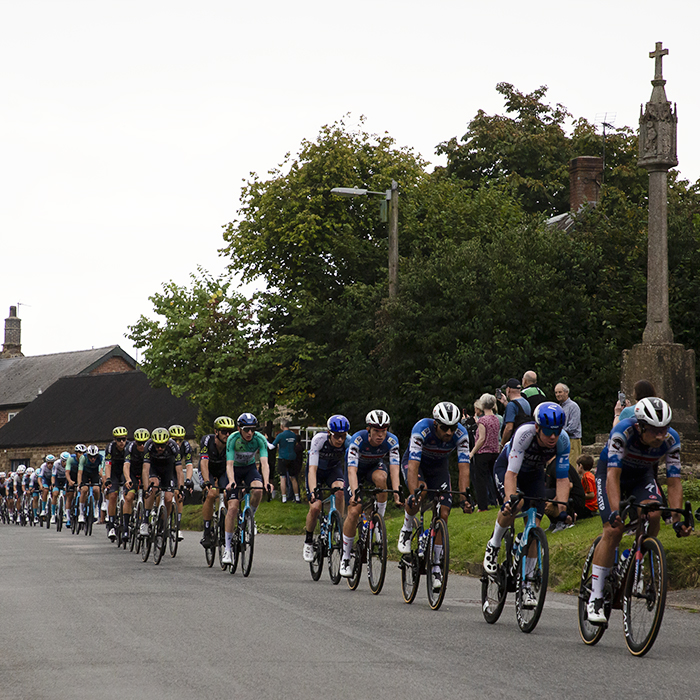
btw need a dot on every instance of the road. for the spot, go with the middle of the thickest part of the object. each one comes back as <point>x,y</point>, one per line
<point>83,620</point>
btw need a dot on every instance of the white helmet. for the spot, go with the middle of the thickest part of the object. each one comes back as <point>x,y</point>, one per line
<point>21,469</point>
<point>80,447</point>
<point>92,450</point>
<point>377,419</point>
<point>30,471</point>
<point>446,413</point>
<point>2,475</point>
<point>653,411</point>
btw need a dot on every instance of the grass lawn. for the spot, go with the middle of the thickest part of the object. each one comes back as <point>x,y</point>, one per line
<point>469,534</point>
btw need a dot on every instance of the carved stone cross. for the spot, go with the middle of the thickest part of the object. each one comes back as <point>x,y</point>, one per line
<point>658,54</point>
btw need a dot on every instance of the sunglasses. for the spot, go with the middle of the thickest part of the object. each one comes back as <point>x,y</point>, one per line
<point>122,439</point>
<point>550,431</point>
<point>247,430</point>
<point>447,428</point>
<point>225,432</point>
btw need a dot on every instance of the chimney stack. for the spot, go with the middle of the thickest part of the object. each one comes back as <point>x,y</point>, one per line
<point>585,178</point>
<point>13,331</point>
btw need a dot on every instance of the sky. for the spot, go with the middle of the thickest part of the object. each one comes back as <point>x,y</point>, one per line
<point>127,128</point>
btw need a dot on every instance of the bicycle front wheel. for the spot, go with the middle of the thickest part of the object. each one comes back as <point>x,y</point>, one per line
<point>247,541</point>
<point>410,568</point>
<point>335,551</point>
<point>645,596</point>
<point>376,553</point>
<point>494,587</point>
<point>160,536</point>
<point>356,562</point>
<point>437,565</point>
<point>146,540</point>
<point>221,537</point>
<point>533,576</point>
<point>316,564</point>
<point>59,514</point>
<point>173,530</point>
<point>138,521</point>
<point>590,634</point>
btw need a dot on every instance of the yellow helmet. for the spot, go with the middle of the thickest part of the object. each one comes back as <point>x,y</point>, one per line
<point>160,436</point>
<point>120,431</point>
<point>141,435</point>
<point>223,422</point>
<point>177,431</point>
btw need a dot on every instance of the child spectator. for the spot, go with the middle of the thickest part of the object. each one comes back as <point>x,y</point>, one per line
<point>584,465</point>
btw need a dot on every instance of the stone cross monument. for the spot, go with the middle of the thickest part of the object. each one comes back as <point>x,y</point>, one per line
<point>668,365</point>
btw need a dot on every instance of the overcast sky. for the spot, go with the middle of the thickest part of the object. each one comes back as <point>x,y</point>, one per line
<point>127,127</point>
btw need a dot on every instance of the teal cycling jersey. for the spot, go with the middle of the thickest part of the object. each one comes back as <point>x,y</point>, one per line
<point>242,452</point>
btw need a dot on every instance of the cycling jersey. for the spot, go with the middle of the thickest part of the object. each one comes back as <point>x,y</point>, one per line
<point>364,456</point>
<point>91,468</point>
<point>186,452</point>
<point>527,455</point>
<point>72,466</point>
<point>327,458</point>
<point>169,457</point>
<point>427,448</point>
<point>59,469</point>
<point>242,452</point>
<point>116,458</point>
<point>209,450</point>
<point>44,473</point>
<point>134,457</point>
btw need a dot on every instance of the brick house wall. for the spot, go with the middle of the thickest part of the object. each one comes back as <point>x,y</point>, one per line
<point>114,364</point>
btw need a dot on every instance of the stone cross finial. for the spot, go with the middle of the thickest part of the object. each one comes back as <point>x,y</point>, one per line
<point>658,54</point>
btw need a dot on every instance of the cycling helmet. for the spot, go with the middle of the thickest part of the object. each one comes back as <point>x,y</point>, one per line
<point>50,458</point>
<point>21,469</point>
<point>160,436</point>
<point>338,424</point>
<point>141,435</point>
<point>653,411</point>
<point>446,413</point>
<point>30,471</point>
<point>550,415</point>
<point>377,419</point>
<point>80,447</point>
<point>65,456</point>
<point>224,423</point>
<point>93,450</point>
<point>120,431</point>
<point>2,475</point>
<point>247,420</point>
<point>176,431</point>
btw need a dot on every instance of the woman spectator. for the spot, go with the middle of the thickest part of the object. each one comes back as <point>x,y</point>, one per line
<point>485,450</point>
<point>643,389</point>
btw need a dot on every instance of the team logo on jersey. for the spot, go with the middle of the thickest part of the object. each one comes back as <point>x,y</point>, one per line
<point>425,432</point>
<point>618,443</point>
<point>392,441</point>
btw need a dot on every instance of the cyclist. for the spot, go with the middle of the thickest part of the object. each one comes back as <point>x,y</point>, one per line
<point>177,433</point>
<point>19,489</point>
<point>31,485</point>
<point>161,459</point>
<point>44,476</point>
<point>366,461</point>
<point>89,475</point>
<point>212,464</point>
<point>242,472</point>
<point>72,478</point>
<point>115,456</point>
<point>426,462</point>
<point>521,467</point>
<point>326,466</point>
<point>626,468</point>
<point>58,481</point>
<point>10,495</point>
<point>133,471</point>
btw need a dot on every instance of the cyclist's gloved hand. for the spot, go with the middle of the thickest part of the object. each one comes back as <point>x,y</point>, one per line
<point>206,484</point>
<point>613,518</point>
<point>189,485</point>
<point>681,529</point>
<point>411,501</point>
<point>108,483</point>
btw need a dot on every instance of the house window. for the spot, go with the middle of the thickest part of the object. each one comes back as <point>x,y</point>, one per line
<point>10,416</point>
<point>14,463</point>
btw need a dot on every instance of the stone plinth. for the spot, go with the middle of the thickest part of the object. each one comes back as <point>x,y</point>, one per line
<point>671,369</point>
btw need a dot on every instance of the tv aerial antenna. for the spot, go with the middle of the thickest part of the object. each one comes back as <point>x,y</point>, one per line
<point>607,121</point>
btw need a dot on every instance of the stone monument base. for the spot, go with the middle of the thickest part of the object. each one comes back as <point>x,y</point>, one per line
<point>671,369</point>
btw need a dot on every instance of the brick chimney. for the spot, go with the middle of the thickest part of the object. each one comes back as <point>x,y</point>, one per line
<point>13,331</point>
<point>585,177</point>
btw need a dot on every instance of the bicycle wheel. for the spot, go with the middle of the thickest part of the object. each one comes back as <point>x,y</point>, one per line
<point>146,540</point>
<point>59,514</point>
<point>316,564</point>
<point>376,553</point>
<point>356,563</point>
<point>437,579</point>
<point>173,529</point>
<point>235,549</point>
<point>140,520</point>
<point>133,531</point>
<point>335,543</point>
<point>161,534</point>
<point>531,588</point>
<point>645,597</point>
<point>590,634</point>
<point>247,541</point>
<point>74,517</point>
<point>220,538</point>
<point>494,587</point>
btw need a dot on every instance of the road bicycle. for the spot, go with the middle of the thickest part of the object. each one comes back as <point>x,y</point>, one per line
<point>243,544</point>
<point>515,575</point>
<point>174,525</point>
<point>138,517</point>
<point>422,558</point>
<point>329,541</point>
<point>637,582</point>
<point>370,545</point>
<point>90,515</point>
<point>119,519</point>
<point>158,525</point>
<point>60,509</point>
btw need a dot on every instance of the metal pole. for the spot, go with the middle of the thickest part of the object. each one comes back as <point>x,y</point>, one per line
<point>393,239</point>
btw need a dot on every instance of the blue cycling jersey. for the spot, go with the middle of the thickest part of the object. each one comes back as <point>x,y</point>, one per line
<point>426,447</point>
<point>323,454</point>
<point>361,454</point>
<point>626,451</point>
<point>526,455</point>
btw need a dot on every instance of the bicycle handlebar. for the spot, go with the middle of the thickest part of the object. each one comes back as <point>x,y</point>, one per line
<point>630,503</point>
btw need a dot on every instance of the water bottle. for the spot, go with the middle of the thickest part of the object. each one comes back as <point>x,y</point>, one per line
<point>365,526</point>
<point>422,542</point>
<point>623,558</point>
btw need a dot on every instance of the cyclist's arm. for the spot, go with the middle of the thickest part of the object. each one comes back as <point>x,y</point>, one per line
<point>204,467</point>
<point>464,481</point>
<point>127,471</point>
<point>675,495</point>
<point>229,472</point>
<point>352,479</point>
<point>108,469</point>
<point>265,467</point>
<point>510,484</point>
<point>81,464</point>
<point>412,475</point>
<point>612,487</point>
<point>145,473</point>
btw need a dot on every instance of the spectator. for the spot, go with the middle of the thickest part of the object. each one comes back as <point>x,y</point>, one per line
<point>531,391</point>
<point>584,466</point>
<point>643,389</point>
<point>484,453</point>
<point>577,500</point>
<point>286,462</point>
<point>517,409</point>
<point>573,420</point>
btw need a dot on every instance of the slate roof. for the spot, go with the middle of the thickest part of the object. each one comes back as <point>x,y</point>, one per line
<point>85,408</point>
<point>21,378</point>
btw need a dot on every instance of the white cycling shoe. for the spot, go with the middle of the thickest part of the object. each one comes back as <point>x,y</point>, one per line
<point>226,557</point>
<point>308,552</point>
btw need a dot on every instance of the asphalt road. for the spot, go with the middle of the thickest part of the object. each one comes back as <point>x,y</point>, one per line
<point>83,620</point>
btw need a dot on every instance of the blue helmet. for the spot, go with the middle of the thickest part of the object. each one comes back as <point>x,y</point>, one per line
<point>550,415</point>
<point>338,424</point>
<point>247,420</point>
